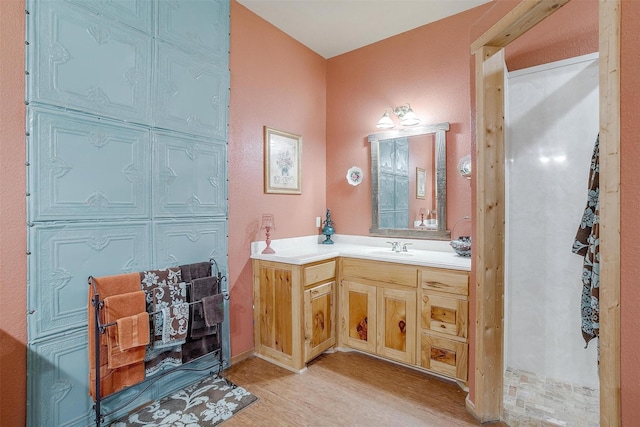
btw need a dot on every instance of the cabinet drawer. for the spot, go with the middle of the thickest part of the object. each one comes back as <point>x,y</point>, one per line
<point>453,282</point>
<point>444,314</point>
<point>445,356</point>
<point>385,272</point>
<point>319,272</point>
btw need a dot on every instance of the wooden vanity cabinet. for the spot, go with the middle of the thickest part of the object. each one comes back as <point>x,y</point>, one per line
<point>410,314</point>
<point>444,312</point>
<point>294,311</point>
<point>378,312</point>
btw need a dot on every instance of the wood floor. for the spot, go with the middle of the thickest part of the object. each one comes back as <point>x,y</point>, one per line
<point>347,389</point>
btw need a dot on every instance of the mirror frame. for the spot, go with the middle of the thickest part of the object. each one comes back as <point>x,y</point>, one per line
<point>441,233</point>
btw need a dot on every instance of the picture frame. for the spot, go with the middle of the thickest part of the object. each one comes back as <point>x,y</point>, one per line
<point>282,162</point>
<point>421,179</point>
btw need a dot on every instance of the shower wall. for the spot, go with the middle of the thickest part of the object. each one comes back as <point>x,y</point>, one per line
<point>552,124</point>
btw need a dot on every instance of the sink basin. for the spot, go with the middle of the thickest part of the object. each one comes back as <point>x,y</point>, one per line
<point>390,253</point>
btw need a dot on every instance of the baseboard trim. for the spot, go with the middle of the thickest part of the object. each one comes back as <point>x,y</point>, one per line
<point>242,356</point>
<point>282,365</point>
<point>471,407</point>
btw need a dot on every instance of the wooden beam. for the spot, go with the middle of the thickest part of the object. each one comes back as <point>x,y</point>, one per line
<point>489,246</point>
<point>517,22</point>
<point>609,39</point>
<point>488,265</point>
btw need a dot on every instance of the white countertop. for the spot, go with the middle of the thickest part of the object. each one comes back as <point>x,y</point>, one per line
<point>303,250</point>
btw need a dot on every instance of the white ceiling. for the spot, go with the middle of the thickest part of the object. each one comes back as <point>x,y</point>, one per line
<point>334,27</point>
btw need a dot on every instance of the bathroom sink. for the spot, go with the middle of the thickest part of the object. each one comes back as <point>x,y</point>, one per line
<point>390,253</point>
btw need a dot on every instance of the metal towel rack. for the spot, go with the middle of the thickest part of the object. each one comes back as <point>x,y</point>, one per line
<point>100,329</point>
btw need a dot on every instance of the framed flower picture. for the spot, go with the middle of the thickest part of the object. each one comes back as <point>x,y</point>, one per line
<point>421,178</point>
<point>282,162</point>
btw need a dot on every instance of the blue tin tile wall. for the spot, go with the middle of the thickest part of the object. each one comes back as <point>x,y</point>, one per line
<point>183,162</point>
<point>188,92</point>
<point>83,61</point>
<point>87,167</point>
<point>126,168</point>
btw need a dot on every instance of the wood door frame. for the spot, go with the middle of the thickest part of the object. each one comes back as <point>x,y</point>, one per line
<point>489,174</point>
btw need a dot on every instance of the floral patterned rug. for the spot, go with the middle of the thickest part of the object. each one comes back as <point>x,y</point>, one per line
<point>206,403</point>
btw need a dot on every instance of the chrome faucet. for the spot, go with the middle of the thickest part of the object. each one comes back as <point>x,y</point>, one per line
<point>404,247</point>
<point>395,246</point>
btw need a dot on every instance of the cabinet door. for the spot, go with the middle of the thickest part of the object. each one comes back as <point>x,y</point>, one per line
<point>396,310</point>
<point>319,331</point>
<point>273,311</point>
<point>445,315</point>
<point>359,316</point>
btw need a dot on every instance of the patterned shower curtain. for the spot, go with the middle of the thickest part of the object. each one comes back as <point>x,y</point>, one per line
<point>587,244</point>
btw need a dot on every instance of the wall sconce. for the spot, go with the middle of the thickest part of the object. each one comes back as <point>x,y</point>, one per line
<point>404,113</point>
<point>268,224</point>
<point>464,166</point>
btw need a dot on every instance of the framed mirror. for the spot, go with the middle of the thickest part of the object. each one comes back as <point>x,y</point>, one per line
<point>409,183</point>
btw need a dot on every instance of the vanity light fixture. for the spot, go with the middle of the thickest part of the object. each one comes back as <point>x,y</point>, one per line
<point>404,113</point>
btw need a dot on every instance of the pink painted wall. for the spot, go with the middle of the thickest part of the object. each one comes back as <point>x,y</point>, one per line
<point>629,218</point>
<point>421,155</point>
<point>570,31</point>
<point>277,82</point>
<point>13,232</point>
<point>428,68</point>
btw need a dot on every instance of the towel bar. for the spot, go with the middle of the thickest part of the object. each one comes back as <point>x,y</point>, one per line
<point>100,328</point>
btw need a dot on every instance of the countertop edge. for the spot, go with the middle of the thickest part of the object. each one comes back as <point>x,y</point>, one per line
<point>354,251</point>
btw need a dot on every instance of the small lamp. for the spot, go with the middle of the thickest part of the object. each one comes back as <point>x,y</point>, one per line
<point>268,224</point>
<point>423,212</point>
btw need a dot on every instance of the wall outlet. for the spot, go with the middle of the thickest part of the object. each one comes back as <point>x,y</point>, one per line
<point>318,221</point>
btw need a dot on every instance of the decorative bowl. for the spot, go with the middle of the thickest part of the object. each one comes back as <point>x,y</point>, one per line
<point>462,245</point>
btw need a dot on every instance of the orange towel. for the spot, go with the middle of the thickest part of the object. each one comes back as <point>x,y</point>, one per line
<point>133,331</point>
<point>118,307</point>
<point>111,381</point>
<point>107,286</point>
<point>119,284</point>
